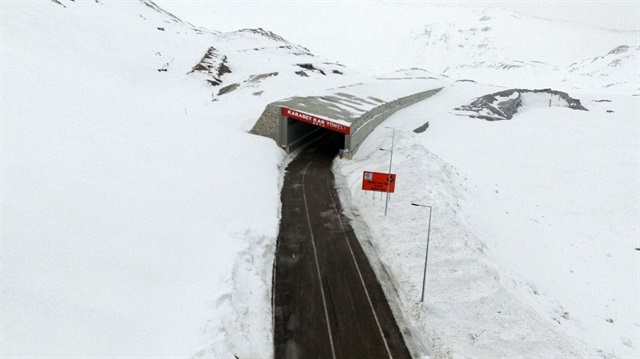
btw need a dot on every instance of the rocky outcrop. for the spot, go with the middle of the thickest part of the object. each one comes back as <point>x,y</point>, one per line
<point>504,105</point>
<point>214,65</point>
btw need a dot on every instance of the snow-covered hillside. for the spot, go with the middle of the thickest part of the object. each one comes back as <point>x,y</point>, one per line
<point>533,231</point>
<point>463,42</point>
<point>139,217</point>
<point>133,197</point>
<point>504,48</point>
<point>487,35</point>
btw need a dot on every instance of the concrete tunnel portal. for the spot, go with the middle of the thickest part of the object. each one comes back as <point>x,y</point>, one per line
<point>342,119</point>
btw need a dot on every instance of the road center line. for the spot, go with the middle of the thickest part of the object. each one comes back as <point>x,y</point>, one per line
<point>375,316</point>
<point>315,254</point>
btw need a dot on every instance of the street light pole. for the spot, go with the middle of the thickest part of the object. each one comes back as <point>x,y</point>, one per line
<point>426,256</point>
<point>389,176</point>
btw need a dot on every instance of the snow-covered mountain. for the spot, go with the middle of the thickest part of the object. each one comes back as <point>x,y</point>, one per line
<point>616,70</point>
<point>501,47</point>
<point>139,217</point>
<point>473,35</point>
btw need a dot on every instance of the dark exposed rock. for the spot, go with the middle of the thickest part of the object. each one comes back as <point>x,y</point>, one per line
<point>228,89</point>
<point>213,64</point>
<point>504,105</point>
<point>422,128</point>
<point>259,78</point>
<point>251,81</point>
<point>619,50</point>
<point>310,67</point>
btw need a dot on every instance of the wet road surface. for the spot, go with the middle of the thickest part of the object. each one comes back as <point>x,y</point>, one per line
<point>327,301</point>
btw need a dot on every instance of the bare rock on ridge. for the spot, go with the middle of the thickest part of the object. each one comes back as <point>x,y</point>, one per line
<point>504,105</point>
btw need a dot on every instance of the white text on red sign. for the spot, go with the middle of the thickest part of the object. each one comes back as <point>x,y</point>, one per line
<point>301,116</point>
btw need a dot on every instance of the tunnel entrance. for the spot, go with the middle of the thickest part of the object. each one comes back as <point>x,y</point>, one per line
<point>301,128</point>
<point>350,113</point>
<point>301,133</point>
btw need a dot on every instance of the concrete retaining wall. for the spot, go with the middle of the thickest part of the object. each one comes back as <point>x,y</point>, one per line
<point>370,120</point>
<point>268,124</point>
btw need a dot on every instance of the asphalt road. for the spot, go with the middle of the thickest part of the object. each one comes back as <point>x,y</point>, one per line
<point>327,301</point>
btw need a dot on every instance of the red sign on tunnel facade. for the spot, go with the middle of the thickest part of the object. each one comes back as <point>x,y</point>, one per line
<point>317,121</point>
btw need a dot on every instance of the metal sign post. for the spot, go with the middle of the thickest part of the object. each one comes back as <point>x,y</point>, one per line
<point>393,135</point>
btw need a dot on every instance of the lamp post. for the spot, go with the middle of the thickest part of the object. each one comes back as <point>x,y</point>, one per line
<point>426,256</point>
<point>393,135</point>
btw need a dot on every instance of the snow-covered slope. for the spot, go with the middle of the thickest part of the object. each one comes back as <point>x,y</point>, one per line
<point>505,48</point>
<point>132,202</point>
<point>534,228</point>
<point>139,217</point>
<point>617,71</point>
<point>491,35</point>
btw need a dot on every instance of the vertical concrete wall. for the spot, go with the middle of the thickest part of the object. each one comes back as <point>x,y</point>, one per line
<point>268,124</point>
<point>370,120</point>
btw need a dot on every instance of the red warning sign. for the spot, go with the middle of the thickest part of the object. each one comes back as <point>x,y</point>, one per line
<point>320,122</point>
<point>377,181</point>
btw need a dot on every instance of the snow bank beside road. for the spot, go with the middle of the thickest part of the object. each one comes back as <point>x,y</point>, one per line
<point>123,210</point>
<point>534,226</point>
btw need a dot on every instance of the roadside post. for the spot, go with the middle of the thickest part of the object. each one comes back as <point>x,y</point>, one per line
<point>393,135</point>
<point>426,256</point>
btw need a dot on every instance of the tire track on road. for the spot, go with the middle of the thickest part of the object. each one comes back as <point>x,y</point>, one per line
<point>327,302</point>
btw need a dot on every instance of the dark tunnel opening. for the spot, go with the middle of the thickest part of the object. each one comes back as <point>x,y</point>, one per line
<point>301,134</point>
